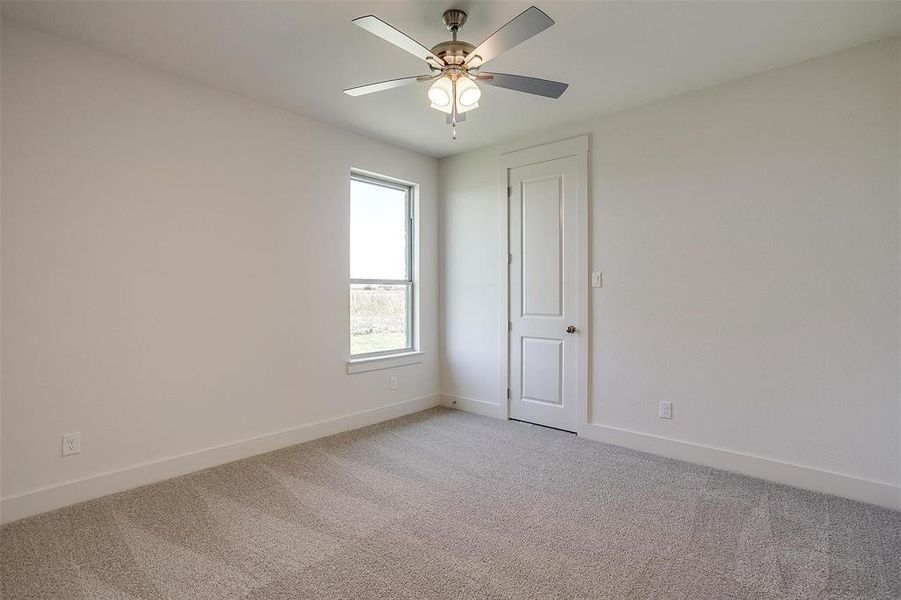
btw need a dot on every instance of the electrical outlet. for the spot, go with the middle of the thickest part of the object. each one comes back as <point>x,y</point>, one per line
<point>392,383</point>
<point>666,410</point>
<point>71,444</point>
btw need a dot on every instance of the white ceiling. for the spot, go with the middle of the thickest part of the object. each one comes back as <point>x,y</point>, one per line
<point>300,55</point>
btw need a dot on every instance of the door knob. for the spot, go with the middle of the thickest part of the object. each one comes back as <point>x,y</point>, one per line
<point>571,329</point>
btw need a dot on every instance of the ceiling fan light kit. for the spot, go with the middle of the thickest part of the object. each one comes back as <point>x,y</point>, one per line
<point>455,66</point>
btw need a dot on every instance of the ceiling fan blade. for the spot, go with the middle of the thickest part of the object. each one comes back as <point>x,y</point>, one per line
<point>530,22</point>
<point>529,85</point>
<point>381,86</point>
<point>376,26</point>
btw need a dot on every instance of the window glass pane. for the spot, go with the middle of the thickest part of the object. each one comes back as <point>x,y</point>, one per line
<point>378,231</point>
<point>378,318</point>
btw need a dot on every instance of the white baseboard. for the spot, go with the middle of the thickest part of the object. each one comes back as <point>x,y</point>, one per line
<point>479,407</point>
<point>846,486</point>
<point>42,500</point>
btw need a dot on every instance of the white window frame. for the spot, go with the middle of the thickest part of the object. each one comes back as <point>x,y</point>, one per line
<point>410,354</point>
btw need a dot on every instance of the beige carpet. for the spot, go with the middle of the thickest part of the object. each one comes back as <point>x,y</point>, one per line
<point>445,504</point>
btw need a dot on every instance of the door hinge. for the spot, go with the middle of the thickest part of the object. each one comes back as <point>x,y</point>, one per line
<point>508,393</point>
<point>509,259</point>
<point>509,191</point>
<point>509,325</point>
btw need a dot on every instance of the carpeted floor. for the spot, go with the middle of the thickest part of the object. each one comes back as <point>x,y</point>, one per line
<point>445,504</point>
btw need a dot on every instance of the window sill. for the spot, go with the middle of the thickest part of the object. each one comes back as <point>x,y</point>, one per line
<point>376,363</point>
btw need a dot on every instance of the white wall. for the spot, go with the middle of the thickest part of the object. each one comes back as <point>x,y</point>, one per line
<point>175,266</point>
<point>749,240</point>
<point>172,281</point>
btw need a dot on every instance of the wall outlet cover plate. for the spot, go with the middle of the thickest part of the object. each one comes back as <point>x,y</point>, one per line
<point>666,410</point>
<point>71,444</point>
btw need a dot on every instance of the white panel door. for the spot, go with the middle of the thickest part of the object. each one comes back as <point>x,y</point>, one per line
<point>544,293</point>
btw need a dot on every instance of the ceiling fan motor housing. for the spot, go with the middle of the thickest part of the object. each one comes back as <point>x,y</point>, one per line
<point>453,52</point>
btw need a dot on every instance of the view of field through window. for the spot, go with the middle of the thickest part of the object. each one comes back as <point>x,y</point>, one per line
<point>378,318</point>
<point>381,286</point>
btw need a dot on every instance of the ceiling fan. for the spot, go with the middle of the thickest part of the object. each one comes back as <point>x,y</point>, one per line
<point>455,66</point>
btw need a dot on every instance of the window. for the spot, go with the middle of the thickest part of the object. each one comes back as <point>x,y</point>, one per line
<point>381,267</point>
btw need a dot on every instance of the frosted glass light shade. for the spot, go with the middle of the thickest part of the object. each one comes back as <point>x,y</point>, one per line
<point>468,93</point>
<point>440,94</point>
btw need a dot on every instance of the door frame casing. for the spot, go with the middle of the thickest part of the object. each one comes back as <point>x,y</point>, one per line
<point>578,147</point>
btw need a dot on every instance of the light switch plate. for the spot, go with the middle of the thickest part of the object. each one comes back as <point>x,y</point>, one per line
<point>596,279</point>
